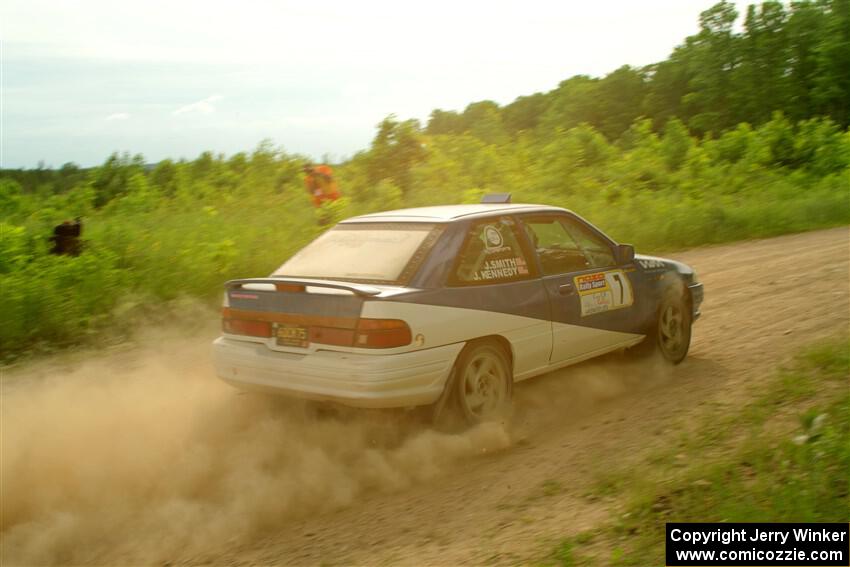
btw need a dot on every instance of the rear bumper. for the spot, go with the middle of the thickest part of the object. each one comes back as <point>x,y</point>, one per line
<point>697,295</point>
<point>360,380</point>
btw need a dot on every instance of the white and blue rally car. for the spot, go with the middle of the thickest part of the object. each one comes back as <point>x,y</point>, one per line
<point>449,304</point>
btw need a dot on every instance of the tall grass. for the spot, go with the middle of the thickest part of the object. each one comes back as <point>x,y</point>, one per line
<point>182,229</point>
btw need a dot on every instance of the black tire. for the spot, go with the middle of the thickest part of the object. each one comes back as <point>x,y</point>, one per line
<point>669,334</point>
<point>479,388</point>
<point>672,328</point>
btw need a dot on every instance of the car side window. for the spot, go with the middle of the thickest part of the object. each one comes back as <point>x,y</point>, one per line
<point>596,249</point>
<point>558,250</point>
<point>491,253</point>
<point>565,245</point>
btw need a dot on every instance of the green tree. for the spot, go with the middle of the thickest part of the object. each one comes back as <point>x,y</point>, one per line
<point>524,113</point>
<point>760,82</point>
<point>164,176</point>
<point>396,149</point>
<point>619,101</point>
<point>484,121</point>
<point>713,59</point>
<point>831,92</point>
<point>576,100</point>
<point>804,30</point>
<point>445,122</point>
<point>668,83</point>
<point>111,179</point>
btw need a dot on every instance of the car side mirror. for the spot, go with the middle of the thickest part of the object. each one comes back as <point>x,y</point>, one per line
<point>625,254</point>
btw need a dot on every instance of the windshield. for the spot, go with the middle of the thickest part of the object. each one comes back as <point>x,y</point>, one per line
<point>368,252</point>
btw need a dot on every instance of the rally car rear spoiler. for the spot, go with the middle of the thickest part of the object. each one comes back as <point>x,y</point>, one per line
<point>357,289</point>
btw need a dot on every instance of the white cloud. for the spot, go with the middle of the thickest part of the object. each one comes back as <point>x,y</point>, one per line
<point>118,116</point>
<point>204,106</point>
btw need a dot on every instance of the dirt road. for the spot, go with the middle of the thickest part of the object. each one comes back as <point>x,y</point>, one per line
<point>140,456</point>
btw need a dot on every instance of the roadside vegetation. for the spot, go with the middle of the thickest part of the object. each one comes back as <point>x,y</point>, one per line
<point>736,135</point>
<point>783,458</point>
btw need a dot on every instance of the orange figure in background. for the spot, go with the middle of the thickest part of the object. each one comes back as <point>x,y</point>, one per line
<point>320,183</point>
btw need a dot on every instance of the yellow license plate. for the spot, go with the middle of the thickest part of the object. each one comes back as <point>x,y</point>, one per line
<point>292,336</point>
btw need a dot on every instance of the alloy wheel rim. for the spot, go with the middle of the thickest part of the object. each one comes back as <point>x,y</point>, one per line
<point>484,385</point>
<point>671,328</point>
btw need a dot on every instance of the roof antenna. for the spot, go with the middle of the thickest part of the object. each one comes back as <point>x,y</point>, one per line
<point>496,198</point>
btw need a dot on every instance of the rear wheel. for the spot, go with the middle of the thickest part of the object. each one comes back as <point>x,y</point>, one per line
<point>481,385</point>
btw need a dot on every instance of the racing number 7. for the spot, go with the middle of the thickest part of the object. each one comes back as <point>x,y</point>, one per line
<point>620,284</point>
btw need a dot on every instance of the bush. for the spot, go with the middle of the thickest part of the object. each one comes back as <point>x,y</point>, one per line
<point>183,228</point>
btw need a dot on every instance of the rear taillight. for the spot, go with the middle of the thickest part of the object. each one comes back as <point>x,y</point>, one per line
<point>245,327</point>
<point>360,333</point>
<point>381,333</point>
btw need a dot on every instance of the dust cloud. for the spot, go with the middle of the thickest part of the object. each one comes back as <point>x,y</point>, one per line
<point>141,456</point>
<point>577,392</point>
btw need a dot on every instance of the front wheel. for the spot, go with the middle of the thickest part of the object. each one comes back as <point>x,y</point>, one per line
<point>673,328</point>
<point>670,331</point>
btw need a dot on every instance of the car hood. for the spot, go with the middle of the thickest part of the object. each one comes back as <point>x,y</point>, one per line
<point>656,263</point>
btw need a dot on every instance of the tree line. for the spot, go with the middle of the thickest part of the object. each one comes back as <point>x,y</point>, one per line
<point>793,59</point>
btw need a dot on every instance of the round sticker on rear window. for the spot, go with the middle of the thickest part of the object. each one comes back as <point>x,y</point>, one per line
<point>492,237</point>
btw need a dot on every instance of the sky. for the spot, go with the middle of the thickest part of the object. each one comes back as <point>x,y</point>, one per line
<point>84,79</point>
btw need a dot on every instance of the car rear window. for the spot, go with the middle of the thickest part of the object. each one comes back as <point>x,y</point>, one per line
<point>364,252</point>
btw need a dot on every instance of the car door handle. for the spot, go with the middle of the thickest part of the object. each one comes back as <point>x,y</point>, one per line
<point>566,289</point>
